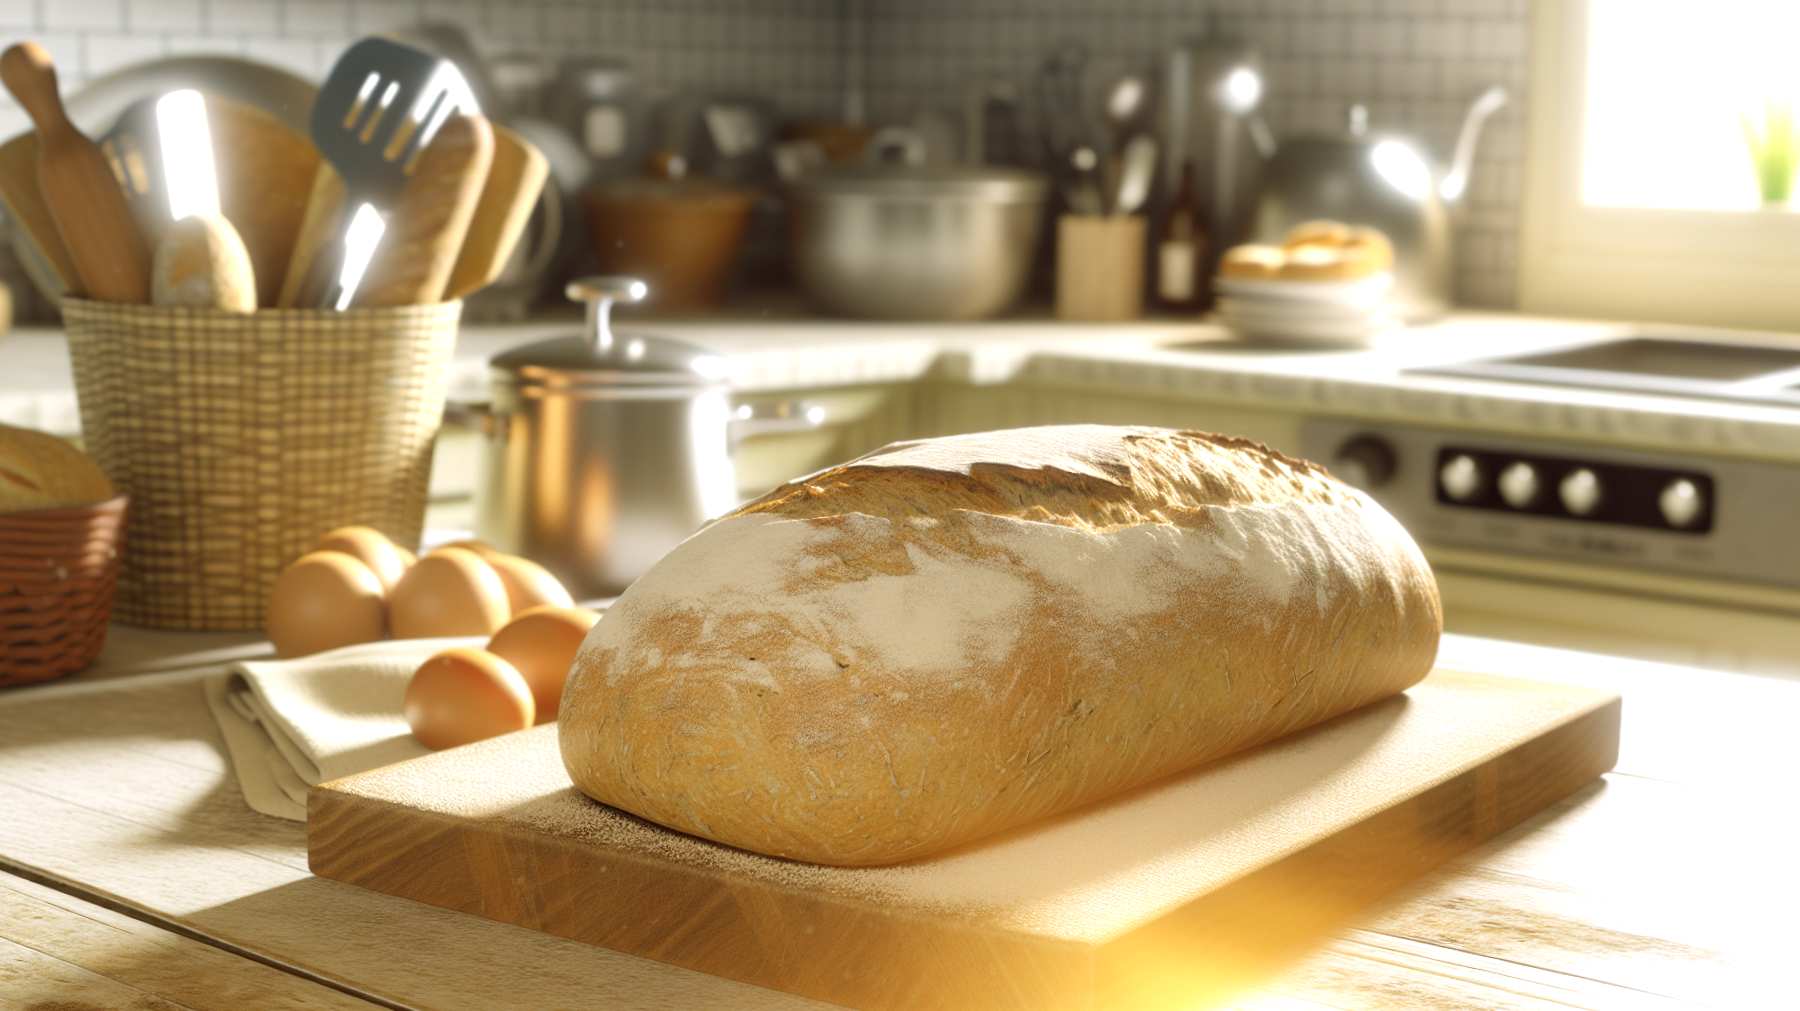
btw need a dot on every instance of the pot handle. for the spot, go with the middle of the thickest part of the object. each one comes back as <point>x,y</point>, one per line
<point>468,417</point>
<point>773,419</point>
<point>600,293</point>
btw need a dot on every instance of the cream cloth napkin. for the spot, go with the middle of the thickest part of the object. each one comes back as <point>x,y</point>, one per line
<point>293,724</point>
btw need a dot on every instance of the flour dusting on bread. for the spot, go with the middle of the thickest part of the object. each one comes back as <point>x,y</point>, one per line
<point>947,638</point>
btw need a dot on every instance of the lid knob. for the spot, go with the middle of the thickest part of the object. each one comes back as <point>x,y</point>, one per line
<point>600,293</point>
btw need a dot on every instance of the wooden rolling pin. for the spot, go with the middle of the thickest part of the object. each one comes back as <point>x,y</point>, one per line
<point>426,228</point>
<point>84,198</point>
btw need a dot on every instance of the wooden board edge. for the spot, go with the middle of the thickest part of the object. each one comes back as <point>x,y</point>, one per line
<point>1210,947</point>
<point>846,952</point>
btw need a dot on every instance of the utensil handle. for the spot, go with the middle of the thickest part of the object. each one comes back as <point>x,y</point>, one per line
<point>31,77</point>
<point>600,292</point>
<point>80,189</point>
<point>514,183</point>
<point>308,266</point>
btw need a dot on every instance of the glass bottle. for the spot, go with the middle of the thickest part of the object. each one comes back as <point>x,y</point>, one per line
<point>1181,250</point>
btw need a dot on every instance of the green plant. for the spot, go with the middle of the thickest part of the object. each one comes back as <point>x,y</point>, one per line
<point>1774,150</point>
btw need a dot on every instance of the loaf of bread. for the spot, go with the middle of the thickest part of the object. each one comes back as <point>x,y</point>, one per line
<point>951,637</point>
<point>40,471</point>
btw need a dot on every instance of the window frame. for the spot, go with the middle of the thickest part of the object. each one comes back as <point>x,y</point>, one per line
<point>1719,268</point>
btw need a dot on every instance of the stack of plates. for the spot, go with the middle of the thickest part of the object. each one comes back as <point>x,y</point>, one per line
<point>1307,313</point>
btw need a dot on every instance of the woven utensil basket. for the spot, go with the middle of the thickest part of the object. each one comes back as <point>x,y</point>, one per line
<point>242,438</point>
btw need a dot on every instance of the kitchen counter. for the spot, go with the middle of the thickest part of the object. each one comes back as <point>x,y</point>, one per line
<point>133,875</point>
<point>876,383</point>
<point>1159,361</point>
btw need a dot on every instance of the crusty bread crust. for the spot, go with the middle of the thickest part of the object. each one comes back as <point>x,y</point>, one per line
<point>947,638</point>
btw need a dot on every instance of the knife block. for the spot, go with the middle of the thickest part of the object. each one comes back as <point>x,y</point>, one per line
<point>1099,268</point>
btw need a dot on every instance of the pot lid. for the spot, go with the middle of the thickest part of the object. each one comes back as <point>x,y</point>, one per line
<point>604,357</point>
<point>984,182</point>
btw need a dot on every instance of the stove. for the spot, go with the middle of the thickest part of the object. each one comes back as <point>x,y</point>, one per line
<point>1715,369</point>
<point>1727,520</point>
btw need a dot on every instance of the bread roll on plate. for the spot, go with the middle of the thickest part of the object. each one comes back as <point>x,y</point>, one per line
<point>948,638</point>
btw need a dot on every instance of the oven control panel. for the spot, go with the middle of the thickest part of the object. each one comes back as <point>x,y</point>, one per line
<point>1722,519</point>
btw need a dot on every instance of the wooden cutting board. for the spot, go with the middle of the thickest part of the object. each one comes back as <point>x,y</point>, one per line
<point>1158,898</point>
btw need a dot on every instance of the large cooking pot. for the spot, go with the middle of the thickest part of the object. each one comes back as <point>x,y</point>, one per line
<point>680,235</point>
<point>604,450</point>
<point>914,241</point>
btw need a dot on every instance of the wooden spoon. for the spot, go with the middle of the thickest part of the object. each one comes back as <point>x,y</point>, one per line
<point>83,195</point>
<point>513,186</point>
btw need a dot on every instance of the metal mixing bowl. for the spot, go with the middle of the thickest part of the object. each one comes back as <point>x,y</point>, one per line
<point>914,242</point>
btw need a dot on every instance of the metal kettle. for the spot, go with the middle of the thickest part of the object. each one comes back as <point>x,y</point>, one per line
<point>604,450</point>
<point>1383,182</point>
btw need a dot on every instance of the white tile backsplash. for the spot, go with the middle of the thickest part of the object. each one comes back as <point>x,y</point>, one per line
<point>252,19</point>
<point>163,16</point>
<point>75,15</point>
<point>104,53</point>
<point>17,15</point>
<point>1416,63</point>
<point>319,17</point>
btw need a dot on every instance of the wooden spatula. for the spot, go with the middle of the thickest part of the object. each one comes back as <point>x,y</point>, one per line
<point>382,103</point>
<point>430,219</point>
<point>266,170</point>
<point>79,188</point>
<point>24,200</point>
<point>512,190</point>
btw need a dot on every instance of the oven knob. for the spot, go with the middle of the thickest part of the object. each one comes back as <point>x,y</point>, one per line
<point>1460,477</point>
<point>1681,503</point>
<point>1365,462</point>
<point>1519,485</point>
<point>1580,492</point>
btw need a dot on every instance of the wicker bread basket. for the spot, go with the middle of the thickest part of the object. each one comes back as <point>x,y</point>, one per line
<point>242,438</point>
<point>57,571</point>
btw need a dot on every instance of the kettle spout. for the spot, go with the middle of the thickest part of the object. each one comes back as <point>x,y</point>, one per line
<point>1456,183</point>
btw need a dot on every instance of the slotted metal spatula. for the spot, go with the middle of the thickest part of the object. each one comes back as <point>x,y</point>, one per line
<point>381,105</point>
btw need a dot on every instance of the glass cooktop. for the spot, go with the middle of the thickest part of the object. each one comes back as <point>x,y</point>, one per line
<point>1687,368</point>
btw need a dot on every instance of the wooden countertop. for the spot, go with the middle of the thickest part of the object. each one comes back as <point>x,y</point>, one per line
<point>133,875</point>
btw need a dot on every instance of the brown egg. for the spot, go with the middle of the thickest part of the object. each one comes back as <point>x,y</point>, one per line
<point>482,548</point>
<point>464,695</point>
<point>528,584</point>
<point>540,643</point>
<point>372,548</point>
<point>324,600</point>
<point>406,556</point>
<point>449,592</point>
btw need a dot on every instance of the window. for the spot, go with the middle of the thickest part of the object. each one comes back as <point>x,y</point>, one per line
<point>1641,198</point>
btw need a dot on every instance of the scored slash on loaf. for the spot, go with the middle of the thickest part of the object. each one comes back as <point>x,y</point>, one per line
<point>947,638</point>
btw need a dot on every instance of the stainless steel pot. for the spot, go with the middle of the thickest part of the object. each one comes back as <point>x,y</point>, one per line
<point>914,242</point>
<point>604,450</point>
